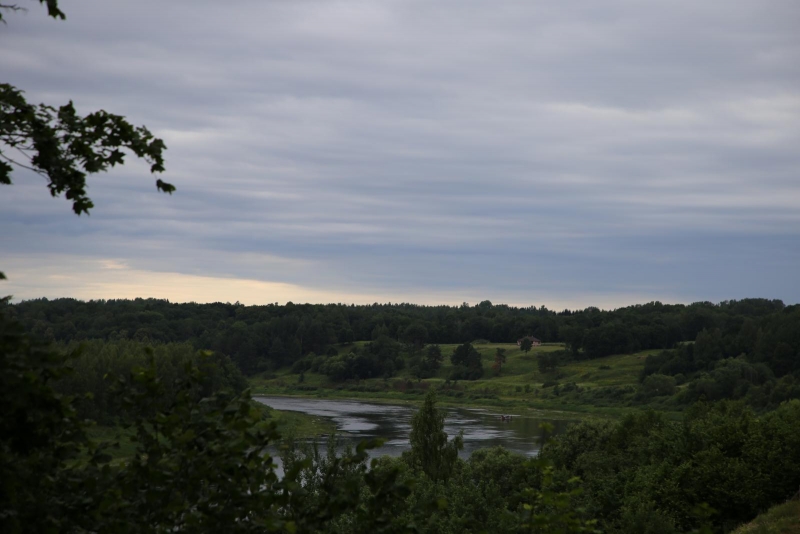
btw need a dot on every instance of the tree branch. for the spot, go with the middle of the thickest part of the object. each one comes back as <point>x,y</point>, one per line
<point>9,7</point>
<point>37,171</point>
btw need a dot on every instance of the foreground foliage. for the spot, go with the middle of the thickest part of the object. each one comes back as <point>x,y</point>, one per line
<point>647,474</point>
<point>204,463</point>
<point>202,466</point>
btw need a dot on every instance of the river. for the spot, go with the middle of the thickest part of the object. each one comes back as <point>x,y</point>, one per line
<point>357,420</point>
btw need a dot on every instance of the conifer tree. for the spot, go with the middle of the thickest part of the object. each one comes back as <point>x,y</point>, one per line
<point>429,446</point>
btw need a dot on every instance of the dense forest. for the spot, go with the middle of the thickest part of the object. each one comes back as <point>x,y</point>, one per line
<point>259,337</point>
<point>747,349</point>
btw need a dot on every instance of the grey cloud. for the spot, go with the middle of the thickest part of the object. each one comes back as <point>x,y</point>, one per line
<point>622,148</point>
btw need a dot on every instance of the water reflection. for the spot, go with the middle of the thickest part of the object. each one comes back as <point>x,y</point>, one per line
<point>358,420</point>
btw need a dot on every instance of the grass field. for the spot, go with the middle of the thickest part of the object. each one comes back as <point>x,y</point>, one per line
<point>780,519</point>
<point>300,425</point>
<point>518,384</point>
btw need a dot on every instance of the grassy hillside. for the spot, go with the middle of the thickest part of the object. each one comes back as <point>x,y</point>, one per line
<point>600,385</point>
<point>780,519</point>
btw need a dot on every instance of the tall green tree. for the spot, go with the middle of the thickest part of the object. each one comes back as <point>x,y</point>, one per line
<point>415,335</point>
<point>547,361</point>
<point>430,449</point>
<point>433,358</point>
<point>467,362</point>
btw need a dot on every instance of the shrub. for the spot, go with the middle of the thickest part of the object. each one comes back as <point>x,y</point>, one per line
<point>657,385</point>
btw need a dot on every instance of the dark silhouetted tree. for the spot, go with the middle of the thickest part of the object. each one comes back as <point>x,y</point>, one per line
<point>429,446</point>
<point>499,359</point>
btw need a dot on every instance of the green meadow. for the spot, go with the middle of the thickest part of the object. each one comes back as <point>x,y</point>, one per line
<point>575,387</point>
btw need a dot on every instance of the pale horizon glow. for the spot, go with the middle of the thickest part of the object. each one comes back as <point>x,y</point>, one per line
<point>111,279</point>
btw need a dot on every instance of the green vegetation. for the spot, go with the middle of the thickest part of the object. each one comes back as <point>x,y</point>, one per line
<point>196,458</point>
<point>268,338</point>
<point>521,384</point>
<point>93,365</point>
<point>430,449</point>
<point>592,360</point>
<point>121,437</point>
<point>645,473</point>
<point>291,425</point>
<point>300,425</point>
<point>781,519</point>
<point>134,416</point>
<point>203,465</point>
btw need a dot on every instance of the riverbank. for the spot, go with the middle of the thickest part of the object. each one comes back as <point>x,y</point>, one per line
<point>604,387</point>
<point>358,420</point>
<point>561,411</point>
<point>299,425</point>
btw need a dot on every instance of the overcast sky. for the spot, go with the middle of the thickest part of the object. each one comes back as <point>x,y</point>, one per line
<point>565,154</point>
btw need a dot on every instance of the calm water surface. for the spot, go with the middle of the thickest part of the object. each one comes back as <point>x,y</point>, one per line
<point>357,420</point>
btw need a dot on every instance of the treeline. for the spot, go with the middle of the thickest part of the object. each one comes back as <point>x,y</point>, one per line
<point>260,338</point>
<point>758,361</point>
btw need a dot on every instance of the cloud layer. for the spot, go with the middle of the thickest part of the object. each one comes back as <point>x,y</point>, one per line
<point>565,153</point>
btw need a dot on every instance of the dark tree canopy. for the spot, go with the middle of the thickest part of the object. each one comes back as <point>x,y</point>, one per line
<point>467,362</point>
<point>499,359</point>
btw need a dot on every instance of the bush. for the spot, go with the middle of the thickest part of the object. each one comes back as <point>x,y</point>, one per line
<point>460,372</point>
<point>658,385</point>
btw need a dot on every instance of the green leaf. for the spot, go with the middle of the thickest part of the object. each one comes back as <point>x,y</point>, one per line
<point>164,186</point>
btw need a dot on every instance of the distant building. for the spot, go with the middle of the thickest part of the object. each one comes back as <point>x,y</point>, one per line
<point>534,342</point>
